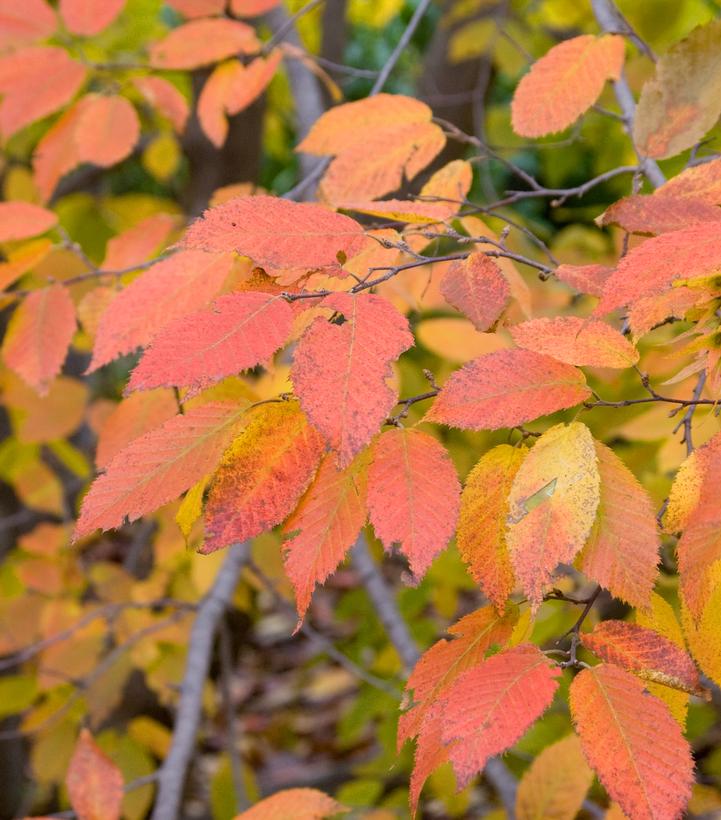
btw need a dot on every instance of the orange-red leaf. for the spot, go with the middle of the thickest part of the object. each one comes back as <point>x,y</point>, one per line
<point>252,8</point>
<point>139,243</point>
<point>622,549</point>
<point>482,524</point>
<point>238,331</point>
<point>647,653</point>
<point>24,23</point>
<point>198,8</point>
<point>476,287</point>
<point>697,182</point>
<point>262,475</point>
<point>300,804</point>
<point>658,214</point>
<point>166,98</point>
<point>506,388</point>
<point>56,153</point>
<point>413,495</point>
<point>340,370</point>
<point>326,524</point>
<point>584,278</point>
<point>20,220</point>
<point>167,291</point>
<point>552,505</point>
<point>38,336</point>
<point>159,466</point>
<point>26,90</point>
<point>565,83</point>
<point>94,782</point>
<point>107,130</point>
<point>277,233</point>
<point>491,705</point>
<point>203,41</point>
<point>89,17</point>
<point>630,738</point>
<point>576,341</point>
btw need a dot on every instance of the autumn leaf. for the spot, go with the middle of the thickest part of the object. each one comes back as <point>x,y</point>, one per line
<point>703,633</point>
<point>203,41</point>
<point>56,154</point>
<point>94,782</point>
<point>252,8</point>
<point>584,278</point>
<point>301,804</point>
<point>24,24</point>
<point>506,388</point>
<point>197,8</point>
<point>89,17</point>
<point>340,370</point>
<point>565,83</point>
<point>107,130</point>
<point>165,98</point>
<point>552,505</point>
<point>477,288</point>
<point>632,742</point>
<point>695,182</point>
<point>262,475</point>
<point>658,214</point>
<point>21,220</point>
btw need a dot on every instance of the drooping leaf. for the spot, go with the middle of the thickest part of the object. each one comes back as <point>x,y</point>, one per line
<point>262,475</point>
<point>159,466</point>
<point>21,220</point>
<point>658,214</point>
<point>413,495</point>
<point>491,705</point>
<point>239,331</point>
<point>576,341</point>
<point>685,494</point>
<point>555,785</point>
<point>202,42</point>
<point>26,93</point>
<point>506,388</point>
<point>107,130</point>
<point>679,104</point>
<point>89,17</point>
<point>167,291</point>
<point>326,522</point>
<point>302,804</point>
<point>94,782</point>
<point>277,233</point>
<point>552,505</point>
<point>477,288</point>
<point>39,335</point>
<point>164,96</point>
<point>622,550</point>
<point>23,24</point>
<point>340,371</point>
<point>644,652</point>
<point>704,632</point>
<point>565,83</point>
<point>633,743</point>
<point>482,525</point>
<point>429,754</point>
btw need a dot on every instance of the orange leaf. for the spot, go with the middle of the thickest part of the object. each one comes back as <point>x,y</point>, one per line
<point>658,214</point>
<point>339,370</point>
<point>167,291</point>
<point>476,287</point>
<point>576,341</point>
<point>159,466</point>
<point>212,102</point>
<point>56,152</point>
<point>622,550</point>
<point>198,8</point>
<point>202,42</point>
<point>166,98</point>
<point>490,706</point>
<point>300,804</point>
<point>277,233</point>
<point>21,220</point>
<point>94,782</point>
<point>107,130</point>
<point>644,652</point>
<point>262,475</point>
<point>50,417</point>
<point>252,8</point>
<point>39,335</point>
<point>552,505</point>
<point>22,24</point>
<point>252,82</point>
<point>565,83</point>
<point>697,182</point>
<point>27,93</point>
<point>584,278</point>
<point>237,332</point>
<point>89,17</point>
<point>413,495</point>
<point>650,311</point>
<point>482,525</point>
<point>326,524</point>
<point>134,246</point>
<point>633,743</point>
<point>506,388</point>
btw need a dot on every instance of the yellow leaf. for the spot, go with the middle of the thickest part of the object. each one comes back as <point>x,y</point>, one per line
<point>162,157</point>
<point>191,508</point>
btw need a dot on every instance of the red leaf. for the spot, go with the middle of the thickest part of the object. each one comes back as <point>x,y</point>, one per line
<point>697,182</point>
<point>476,287</point>
<point>198,8</point>
<point>413,495</point>
<point>20,220</point>
<point>107,130</point>
<point>633,743</point>
<point>506,388</point>
<point>166,98</point>
<point>94,782</point>
<point>252,8</point>
<point>159,466</point>
<point>202,42</point>
<point>584,278</point>
<point>490,706</point>
<point>340,371</point>
<point>658,214</point>
<point>239,331</point>
<point>38,336</point>
<point>262,476</point>
<point>89,17</point>
<point>167,291</point>
<point>565,83</point>
<point>643,651</point>
<point>326,522</point>
<point>27,93</point>
<point>277,233</point>
<point>139,243</point>
<point>24,23</point>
